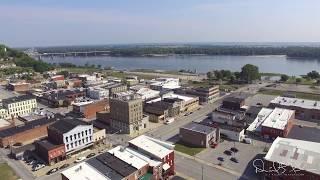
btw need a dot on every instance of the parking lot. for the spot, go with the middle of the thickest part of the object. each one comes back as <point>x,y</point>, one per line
<point>261,99</point>
<point>70,161</point>
<point>245,154</point>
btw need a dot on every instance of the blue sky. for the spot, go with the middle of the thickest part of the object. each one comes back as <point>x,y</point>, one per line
<point>82,22</point>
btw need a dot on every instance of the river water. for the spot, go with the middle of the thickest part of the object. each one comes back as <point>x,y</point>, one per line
<point>202,64</point>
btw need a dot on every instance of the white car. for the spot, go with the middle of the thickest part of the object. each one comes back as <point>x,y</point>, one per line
<point>247,140</point>
<point>79,159</point>
<point>38,166</point>
<point>169,121</point>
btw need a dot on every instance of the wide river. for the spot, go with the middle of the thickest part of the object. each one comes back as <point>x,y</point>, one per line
<point>202,64</point>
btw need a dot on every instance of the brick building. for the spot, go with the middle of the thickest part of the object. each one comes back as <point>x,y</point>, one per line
<point>198,135</point>
<point>233,103</point>
<point>51,153</point>
<point>206,94</point>
<point>157,150</point>
<point>25,133</point>
<point>272,123</point>
<point>289,159</point>
<point>58,98</point>
<point>74,134</point>
<point>127,115</point>
<point>308,110</point>
<point>19,87</point>
<point>88,109</point>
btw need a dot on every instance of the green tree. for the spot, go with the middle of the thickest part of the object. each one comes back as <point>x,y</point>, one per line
<point>64,73</point>
<point>313,75</point>
<point>284,78</point>
<point>249,73</point>
<point>218,75</point>
<point>209,75</point>
<point>298,80</point>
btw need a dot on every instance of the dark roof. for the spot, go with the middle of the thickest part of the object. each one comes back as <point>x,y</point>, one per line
<point>234,99</point>
<point>17,99</point>
<point>67,124</point>
<point>27,126</point>
<point>113,165</point>
<point>193,126</point>
<point>61,94</point>
<point>105,170</point>
<point>305,133</point>
<point>47,144</point>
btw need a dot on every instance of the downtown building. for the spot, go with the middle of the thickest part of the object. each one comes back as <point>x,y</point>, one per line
<point>289,159</point>
<point>308,110</point>
<point>127,114</point>
<point>16,106</point>
<point>144,158</point>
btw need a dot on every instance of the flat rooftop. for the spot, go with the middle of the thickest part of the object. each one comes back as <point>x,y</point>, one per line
<point>303,103</point>
<point>278,119</point>
<point>178,96</point>
<point>84,171</point>
<point>261,117</point>
<point>126,156</point>
<point>153,146</point>
<point>304,155</point>
<point>193,126</point>
<point>17,99</point>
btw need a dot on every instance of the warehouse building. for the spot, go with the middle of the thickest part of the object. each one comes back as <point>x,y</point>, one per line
<point>206,95</point>
<point>198,135</point>
<point>308,110</point>
<point>298,160</point>
<point>19,105</point>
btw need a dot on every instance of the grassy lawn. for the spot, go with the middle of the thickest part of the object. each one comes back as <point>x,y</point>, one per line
<point>199,84</point>
<point>298,94</point>
<point>79,70</point>
<point>186,149</point>
<point>304,81</point>
<point>6,173</point>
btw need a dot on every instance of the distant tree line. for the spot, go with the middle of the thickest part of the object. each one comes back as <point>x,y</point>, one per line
<point>23,60</point>
<point>142,50</point>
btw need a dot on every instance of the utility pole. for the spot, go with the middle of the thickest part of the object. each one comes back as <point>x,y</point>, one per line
<point>202,172</point>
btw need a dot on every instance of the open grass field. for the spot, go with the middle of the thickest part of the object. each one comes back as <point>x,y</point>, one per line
<point>6,173</point>
<point>186,149</point>
<point>302,95</point>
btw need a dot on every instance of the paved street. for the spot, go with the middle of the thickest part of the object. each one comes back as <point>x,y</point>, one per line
<point>193,169</point>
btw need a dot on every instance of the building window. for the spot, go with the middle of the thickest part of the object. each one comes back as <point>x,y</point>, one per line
<point>75,144</point>
<point>67,146</point>
<point>79,142</point>
<point>89,131</point>
<point>75,136</point>
<point>83,141</point>
<point>87,139</point>
<point>66,139</point>
<point>78,135</point>
<point>86,132</point>
<point>71,145</point>
<point>90,138</point>
<point>70,137</point>
<point>82,133</point>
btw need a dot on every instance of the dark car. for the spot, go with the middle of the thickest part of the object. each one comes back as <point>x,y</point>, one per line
<point>52,171</point>
<point>233,149</point>
<point>221,159</point>
<point>233,159</point>
<point>91,155</point>
<point>227,152</point>
<point>64,166</point>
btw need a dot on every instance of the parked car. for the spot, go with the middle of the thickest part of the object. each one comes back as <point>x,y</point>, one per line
<point>64,166</point>
<point>233,149</point>
<point>227,152</point>
<point>91,155</point>
<point>247,140</point>
<point>79,159</point>
<point>169,121</point>
<point>52,171</point>
<point>233,159</point>
<point>37,167</point>
<point>32,162</point>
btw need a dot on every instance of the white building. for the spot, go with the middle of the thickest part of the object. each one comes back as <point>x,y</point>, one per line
<point>298,154</point>
<point>98,93</point>
<point>147,93</point>
<point>20,105</point>
<point>165,83</point>
<point>73,133</point>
